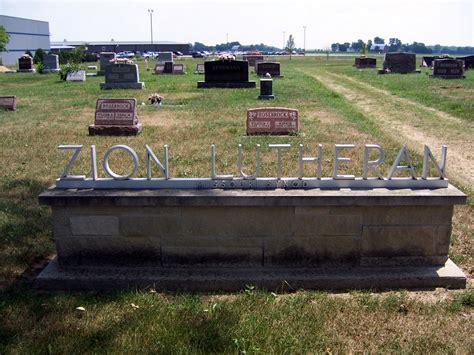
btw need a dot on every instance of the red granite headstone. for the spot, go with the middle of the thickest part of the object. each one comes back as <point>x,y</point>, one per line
<point>115,117</point>
<point>272,120</point>
<point>8,102</point>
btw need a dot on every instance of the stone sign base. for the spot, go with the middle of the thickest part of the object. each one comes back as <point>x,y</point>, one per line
<point>108,86</point>
<point>54,277</point>
<point>98,130</point>
<point>211,240</point>
<point>226,85</point>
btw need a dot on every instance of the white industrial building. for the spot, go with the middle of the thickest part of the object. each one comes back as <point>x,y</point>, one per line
<point>25,34</point>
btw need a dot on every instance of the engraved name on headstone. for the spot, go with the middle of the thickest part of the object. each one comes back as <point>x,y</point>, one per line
<point>116,117</point>
<point>272,120</point>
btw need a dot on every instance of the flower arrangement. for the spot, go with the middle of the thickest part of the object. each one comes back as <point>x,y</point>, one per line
<point>121,61</point>
<point>226,57</point>
<point>155,99</point>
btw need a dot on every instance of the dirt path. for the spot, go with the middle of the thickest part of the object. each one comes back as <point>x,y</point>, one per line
<point>410,122</point>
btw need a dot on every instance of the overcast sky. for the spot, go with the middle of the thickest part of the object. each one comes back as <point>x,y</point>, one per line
<point>447,22</point>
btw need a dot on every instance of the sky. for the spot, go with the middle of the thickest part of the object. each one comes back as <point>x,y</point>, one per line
<point>446,22</point>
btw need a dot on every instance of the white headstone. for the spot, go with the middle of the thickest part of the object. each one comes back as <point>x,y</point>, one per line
<point>79,75</point>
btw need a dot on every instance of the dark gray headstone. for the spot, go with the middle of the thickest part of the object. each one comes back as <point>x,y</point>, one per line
<point>50,63</point>
<point>468,61</point>
<point>365,62</point>
<point>264,67</point>
<point>402,63</point>
<point>168,68</point>
<point>448,68</point>
<point>105,58</point>
<point>266,89</point>
<point>122,76</point>
<point>226,74</point>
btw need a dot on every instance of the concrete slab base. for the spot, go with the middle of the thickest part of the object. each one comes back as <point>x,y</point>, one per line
<point>234,279</point>
<point>109,86</point>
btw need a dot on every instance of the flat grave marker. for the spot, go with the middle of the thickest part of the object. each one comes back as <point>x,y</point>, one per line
<point>77,75</point>
<point>8,103</point>
<point>115,117</point>
<point>272,121</point>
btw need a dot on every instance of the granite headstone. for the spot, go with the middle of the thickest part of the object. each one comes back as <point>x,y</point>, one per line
<point>76,75</point>
<point>8,103</point>
<point>122,76</point>
<point>115,117</point>
<point>226,74</point>
<point>25,64</point>
<point>365,62</point>
<point>402,63</point>
<point>448,68</point>
<point>105,61</point>
<point>272,120</point>
<point>266,66</point>
<point>50,63</point>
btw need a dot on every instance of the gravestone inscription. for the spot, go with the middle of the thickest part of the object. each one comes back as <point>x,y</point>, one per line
<point>115,117</point>
<point>266,66</point>
<point>122,76</point>
<point>272,120</point>
<point>226,74</point>
<point>8,103</point>
<point>448,68</point>
<point>105,61</point>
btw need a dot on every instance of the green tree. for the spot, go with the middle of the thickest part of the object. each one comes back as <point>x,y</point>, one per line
<point>378,40</point>
<point>290,45</point>
<point>39,56</point>
<point>4,39</point>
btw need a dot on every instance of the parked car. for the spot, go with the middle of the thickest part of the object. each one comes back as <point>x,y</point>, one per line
<point>197,55</point>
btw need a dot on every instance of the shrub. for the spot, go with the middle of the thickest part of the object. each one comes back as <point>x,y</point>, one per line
<point>40,68</point>
<point>64,70</point>
<point>39,56</point>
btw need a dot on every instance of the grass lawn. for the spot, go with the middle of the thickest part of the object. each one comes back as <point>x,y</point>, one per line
<point>50,112</point>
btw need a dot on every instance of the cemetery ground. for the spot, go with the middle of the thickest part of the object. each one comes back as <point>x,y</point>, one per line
<point>337,104</point>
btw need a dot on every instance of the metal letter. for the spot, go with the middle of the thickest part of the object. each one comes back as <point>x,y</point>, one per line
<point>395,167</point>
<point>93,163</point>
<point>426,160</point>
<point>337,159</point>
<point>371,164</point>
<point>130,151</point>
<point>239,164</point>
<point>68,167</point>
<point>311,159</point>
<point>150,155</point>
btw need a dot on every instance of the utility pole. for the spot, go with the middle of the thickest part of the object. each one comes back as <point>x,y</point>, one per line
<point>227,38</point>
<point>304,40</point>
<point>151,25</point>
<point>284,40</point>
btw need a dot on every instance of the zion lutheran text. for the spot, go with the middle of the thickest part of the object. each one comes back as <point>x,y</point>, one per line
<point>371,177</point>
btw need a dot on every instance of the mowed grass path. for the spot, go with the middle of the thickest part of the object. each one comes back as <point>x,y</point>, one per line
<point>52,112</point>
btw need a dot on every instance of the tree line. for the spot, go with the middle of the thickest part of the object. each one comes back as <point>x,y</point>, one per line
<point>379,44</point>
